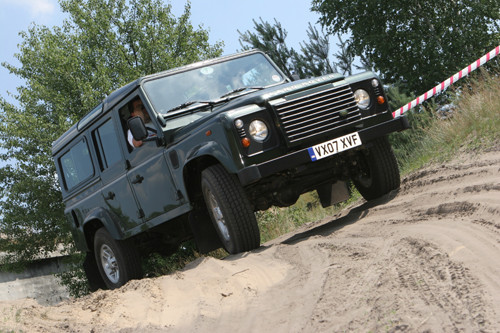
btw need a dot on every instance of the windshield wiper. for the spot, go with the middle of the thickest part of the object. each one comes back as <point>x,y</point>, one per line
<point>234,91</point>
<point>186,104</point>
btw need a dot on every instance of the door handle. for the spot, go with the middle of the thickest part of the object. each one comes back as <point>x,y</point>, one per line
<point>109,196</point>
<point>138,179</point>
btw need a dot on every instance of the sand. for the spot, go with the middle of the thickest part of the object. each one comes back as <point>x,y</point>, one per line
<point>424,258</point>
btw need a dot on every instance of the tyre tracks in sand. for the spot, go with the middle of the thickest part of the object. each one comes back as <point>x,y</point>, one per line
<point>421,259</point>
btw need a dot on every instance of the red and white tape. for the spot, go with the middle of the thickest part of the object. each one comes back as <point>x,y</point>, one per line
<point>445,84</point>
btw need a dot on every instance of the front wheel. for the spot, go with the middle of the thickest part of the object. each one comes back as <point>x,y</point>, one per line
<point>229,210</point>
<point>378,172</point>
<point>117,261</point>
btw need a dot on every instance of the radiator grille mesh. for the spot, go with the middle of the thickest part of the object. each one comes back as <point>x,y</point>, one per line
<point>317,113</point>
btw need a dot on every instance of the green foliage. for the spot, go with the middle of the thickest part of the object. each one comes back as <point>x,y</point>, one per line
<point>406,143</point>
<point>154,265</point>
<point>417,43</point>
<point>277,221</point>
<point>157,265</point>
<point>73,277</point>
<point>67,71</point>
<point>313,58</point>
<point>473,126</point>
<point>270,39</point>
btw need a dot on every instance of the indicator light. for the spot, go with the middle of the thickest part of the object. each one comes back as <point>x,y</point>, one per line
<point>245,142</point>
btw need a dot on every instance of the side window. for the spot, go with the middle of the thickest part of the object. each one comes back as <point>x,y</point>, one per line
<point>124,116</point>
<point>107,145</point>
<point>76,164</point>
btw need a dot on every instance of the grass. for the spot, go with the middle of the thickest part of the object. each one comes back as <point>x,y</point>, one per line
<point>277,221</point>
<point>157,265</point>
<point>473,127</point>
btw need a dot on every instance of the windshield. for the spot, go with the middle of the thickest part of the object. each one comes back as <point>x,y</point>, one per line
<point>211,82</point>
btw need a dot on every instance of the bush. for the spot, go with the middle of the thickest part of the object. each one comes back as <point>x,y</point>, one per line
<point>473,125</point>
<point>74,278</point>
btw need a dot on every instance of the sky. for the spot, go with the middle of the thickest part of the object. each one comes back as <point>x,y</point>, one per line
<point>221,17</point>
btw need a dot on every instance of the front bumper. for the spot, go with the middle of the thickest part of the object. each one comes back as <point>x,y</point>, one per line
<point>256,172</point>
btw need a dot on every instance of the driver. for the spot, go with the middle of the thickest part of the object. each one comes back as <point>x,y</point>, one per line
<point>139,110</point>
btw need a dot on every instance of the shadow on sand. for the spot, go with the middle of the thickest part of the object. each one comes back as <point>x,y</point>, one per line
<point>354,215</point>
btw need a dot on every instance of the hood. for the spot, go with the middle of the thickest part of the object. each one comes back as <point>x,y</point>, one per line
<point>259,97</point>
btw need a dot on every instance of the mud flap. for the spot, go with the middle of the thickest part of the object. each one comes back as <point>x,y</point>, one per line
<point>330,194</point>
<point>205,235</point>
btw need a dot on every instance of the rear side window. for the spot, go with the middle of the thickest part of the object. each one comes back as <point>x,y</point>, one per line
<point>76,165</point>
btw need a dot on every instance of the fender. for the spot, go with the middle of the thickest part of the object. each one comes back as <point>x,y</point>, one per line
<point>108,219</point>
<point>215,150</point>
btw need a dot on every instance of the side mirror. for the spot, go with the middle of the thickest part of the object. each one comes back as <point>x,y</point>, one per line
<point>137,128</point>
<point>295,77</point>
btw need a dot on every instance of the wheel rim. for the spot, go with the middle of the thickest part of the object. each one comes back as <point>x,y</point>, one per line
<point>110,264</point>
<point>218,216</point>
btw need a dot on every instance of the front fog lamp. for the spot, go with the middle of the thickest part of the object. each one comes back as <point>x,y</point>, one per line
<point>258,130</point>
<point>362,98</point>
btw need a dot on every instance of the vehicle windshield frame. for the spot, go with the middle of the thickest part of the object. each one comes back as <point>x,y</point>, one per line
<point>209,81</point>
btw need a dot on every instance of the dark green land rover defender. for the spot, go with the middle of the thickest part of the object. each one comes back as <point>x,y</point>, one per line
<point>216,141</point>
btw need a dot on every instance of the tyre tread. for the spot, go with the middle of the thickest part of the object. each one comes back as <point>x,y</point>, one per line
<point>384,167</point>
<point>246,231</point>
<point>131,258</point>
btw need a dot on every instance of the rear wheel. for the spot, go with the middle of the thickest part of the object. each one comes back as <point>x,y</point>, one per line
<point>117,261</point>
<point>229,210</point>
<point>379,172</point>
<point>92,273</point>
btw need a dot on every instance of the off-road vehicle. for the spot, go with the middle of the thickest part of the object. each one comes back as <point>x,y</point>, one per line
<point>232,136</point>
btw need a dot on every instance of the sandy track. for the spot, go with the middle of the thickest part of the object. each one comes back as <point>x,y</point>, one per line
<point>422,259</point>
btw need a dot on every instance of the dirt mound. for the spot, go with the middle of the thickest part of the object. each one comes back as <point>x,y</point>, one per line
<point>422,259</point>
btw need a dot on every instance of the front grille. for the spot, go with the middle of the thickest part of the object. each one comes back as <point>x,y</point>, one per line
<point>320,112</point>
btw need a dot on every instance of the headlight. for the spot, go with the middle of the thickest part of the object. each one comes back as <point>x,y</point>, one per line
<point>258,130</point>
<point>362,98</point>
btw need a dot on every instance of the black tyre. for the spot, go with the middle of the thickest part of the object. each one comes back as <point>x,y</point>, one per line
<point>117,261</point>
<point>229,210</point>
<point>92,273</point>
<point>379,172</point>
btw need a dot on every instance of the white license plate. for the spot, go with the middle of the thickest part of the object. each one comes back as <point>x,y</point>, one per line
<point>334,146</point>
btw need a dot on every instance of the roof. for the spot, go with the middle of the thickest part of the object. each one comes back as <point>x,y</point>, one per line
<point>109,102</point>
<point>112,99</point>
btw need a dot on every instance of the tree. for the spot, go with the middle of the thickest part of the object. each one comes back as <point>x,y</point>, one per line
<point>270,39</point>
<point>418,43</point>
<point>313,59</point>
<point>67,71</point>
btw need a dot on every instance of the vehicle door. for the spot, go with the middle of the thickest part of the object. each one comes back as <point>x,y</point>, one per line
<point>151,179</point>
<point>117,192</point>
